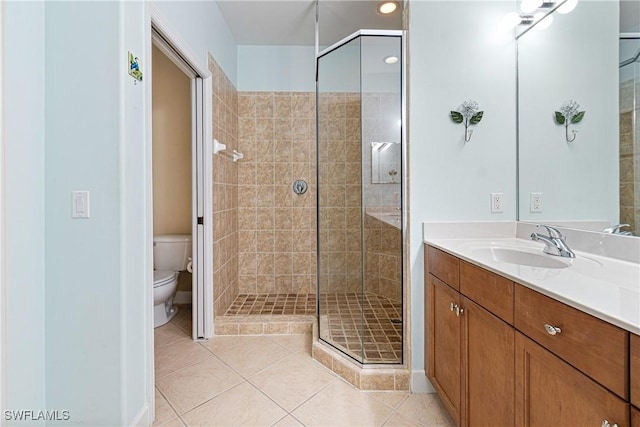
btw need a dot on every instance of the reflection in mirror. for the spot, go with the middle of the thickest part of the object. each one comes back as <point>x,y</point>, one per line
<point>587,181</point>
<point>629,135</point>
<point>385,162</point>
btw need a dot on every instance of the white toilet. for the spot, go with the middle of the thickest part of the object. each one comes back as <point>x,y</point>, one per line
<point>171,254</point>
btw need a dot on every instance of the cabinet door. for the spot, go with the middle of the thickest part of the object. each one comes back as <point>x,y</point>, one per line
<point>443,343</point>
<point>550,392</point>
<point>488,368</point>
<point>635,370</point>
<point>635,417</point>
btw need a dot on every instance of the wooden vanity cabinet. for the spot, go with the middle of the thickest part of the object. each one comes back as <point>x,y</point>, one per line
<point>635,379</point>
<point>595,347</point>
<point>488,350</point>
<point>493,361</point>
<point>635,370</point>
<point>551,392</point>
<point>469,351</point>
<point>443,343</point>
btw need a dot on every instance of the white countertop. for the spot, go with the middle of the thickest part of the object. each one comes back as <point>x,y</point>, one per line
<point>607,288</point>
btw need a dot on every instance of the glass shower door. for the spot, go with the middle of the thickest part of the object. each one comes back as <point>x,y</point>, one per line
<point>360,235</point>
<point>339,199</point>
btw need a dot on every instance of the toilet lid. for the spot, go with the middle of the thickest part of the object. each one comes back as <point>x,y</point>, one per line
<point>162,277</point>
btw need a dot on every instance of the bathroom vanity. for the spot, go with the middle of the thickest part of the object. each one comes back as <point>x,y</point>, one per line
<point>508,344</point>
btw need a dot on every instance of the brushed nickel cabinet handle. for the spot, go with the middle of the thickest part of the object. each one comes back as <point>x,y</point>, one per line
<point>552,330</point>
<point>459,311</point>
<point>452,306</point>
<point>606,423</point>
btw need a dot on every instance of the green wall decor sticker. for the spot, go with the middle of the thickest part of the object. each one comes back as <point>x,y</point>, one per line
<point>134,67</point>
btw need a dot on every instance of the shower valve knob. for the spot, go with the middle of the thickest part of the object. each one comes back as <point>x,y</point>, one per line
<point>300,186</point>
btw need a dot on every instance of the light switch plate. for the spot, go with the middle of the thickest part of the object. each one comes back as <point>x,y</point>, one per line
<point>80,204</point>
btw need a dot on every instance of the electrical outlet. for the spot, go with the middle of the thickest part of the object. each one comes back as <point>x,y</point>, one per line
<point>496,203</point>
<point>535,205</point>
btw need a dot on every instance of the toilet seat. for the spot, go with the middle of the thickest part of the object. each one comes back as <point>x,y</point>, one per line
<point>163,277</point>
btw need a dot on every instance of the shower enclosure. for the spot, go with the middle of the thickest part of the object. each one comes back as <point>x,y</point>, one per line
<point>360,172</point>
<point>630,133</point>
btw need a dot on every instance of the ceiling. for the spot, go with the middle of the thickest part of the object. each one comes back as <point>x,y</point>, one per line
<point>292,22</point>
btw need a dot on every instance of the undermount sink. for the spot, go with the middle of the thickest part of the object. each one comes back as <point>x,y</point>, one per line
<point>520,257</point>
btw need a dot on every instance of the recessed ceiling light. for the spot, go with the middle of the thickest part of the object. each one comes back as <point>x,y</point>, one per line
<point>391,59</point>
<point>387,7</point>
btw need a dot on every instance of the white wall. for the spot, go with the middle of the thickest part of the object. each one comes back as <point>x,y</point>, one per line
<point>457,51</point>
<point>83,265</point>
<point>78,123</point>
<point>24,185</point>
<point>576,58</point>
<point>202,26</point>
<point>276,68</point>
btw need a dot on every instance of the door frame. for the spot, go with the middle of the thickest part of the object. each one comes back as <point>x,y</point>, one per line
<point>155,21</point>
<point>3,299</point>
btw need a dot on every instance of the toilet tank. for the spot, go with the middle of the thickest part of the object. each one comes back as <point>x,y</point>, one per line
<point>171,251</point>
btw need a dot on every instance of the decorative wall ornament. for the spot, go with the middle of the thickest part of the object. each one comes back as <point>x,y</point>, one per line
<point>569,114</point>
<point>134,68</point>
<point>469,114</point>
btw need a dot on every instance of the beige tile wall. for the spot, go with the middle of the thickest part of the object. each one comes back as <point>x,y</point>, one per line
<point>276,227</point>
<point>225,191</point>
<point>340,177</point>
<point>383,262</point>
<point>629,157</point>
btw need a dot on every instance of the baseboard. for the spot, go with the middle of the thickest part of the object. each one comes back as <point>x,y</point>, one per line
<point>182,297</point>
<point>142,419</point>
<point>420,384</point>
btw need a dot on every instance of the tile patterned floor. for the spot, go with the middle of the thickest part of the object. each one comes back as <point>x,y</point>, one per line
<point>341,314</point>
<point>268,381</point>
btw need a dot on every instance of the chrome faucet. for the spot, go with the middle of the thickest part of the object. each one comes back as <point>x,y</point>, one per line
<point>555,242</point>
<point>617,229</point>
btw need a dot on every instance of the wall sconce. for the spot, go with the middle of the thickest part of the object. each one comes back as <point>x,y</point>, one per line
<point>469,115</point>
<point>512,19</point>
<point>569,114</point>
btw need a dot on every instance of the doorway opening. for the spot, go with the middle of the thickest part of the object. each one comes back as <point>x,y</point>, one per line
<point>181,163</point>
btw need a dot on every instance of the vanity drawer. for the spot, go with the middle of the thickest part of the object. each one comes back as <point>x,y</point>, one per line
<point>444,266</point>
<point>595,347</point>
<point>493,292</point>
<point>635,370</point>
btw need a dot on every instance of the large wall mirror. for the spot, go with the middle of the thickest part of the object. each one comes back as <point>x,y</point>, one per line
<point>579,167</point>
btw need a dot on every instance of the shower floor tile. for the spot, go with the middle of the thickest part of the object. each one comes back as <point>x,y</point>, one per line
<point>368,326</point>
<point>273,304</point>
<point>378,339</point>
